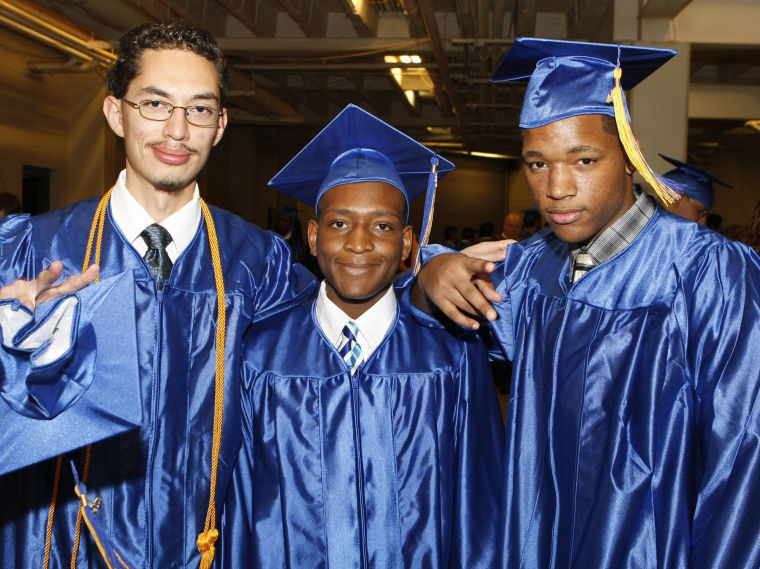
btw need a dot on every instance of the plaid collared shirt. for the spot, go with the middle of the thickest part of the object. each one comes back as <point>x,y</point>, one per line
<point>619,235</point>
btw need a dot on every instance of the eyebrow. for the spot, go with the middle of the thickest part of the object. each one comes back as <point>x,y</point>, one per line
<point>151,90</point>
<point>377,212</point>
<point>574,150</point>
<point>583,148</point>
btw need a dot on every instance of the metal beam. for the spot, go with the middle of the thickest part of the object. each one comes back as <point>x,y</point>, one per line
<point>427,12</point>
<point>259,16</point>
<point>322,46</point>
<point>363,17</point>
<point>310,16</point>
<point>661,8</point>
<point>723,101</point>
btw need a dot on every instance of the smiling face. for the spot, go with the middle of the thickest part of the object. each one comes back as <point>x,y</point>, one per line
<point>578,176</point>
<point>359,241</point>
<point>167,156</point>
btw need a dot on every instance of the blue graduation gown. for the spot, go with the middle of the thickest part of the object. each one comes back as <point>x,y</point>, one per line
<point>633,435</point>
<point>399,466</point>
<point>154,482</point>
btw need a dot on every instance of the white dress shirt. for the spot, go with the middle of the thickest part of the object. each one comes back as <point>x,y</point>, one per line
<point>131,218</point>
<point>373,324</point>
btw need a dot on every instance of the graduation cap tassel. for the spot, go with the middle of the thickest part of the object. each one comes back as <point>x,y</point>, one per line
<point>427,216</point>
<point>668,193</point>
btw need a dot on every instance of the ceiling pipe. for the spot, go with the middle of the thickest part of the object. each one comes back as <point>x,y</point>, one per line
<point>73,65</point>
<point>24,18</point>
<point>50,42</point>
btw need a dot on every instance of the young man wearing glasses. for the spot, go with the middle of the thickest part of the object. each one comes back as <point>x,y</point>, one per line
<point>157,484</point>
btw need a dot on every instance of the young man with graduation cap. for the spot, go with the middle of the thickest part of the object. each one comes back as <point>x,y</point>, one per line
<point>633,423</point>
<point>375,439</point>
<point>201,276</point>
<point>698,191</point>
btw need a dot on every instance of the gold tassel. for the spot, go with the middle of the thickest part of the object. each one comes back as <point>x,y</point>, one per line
<point>205,543</point>
<point>667,194</point>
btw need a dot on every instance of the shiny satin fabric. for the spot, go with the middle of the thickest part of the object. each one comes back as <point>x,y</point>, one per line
<point>400,466</point>
<point>154,482</point>
<point>59,406</point>
<point>633,426</point>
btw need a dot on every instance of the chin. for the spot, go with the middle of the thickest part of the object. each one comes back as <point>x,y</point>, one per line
<point>570,234</point>
<point>171,186</point>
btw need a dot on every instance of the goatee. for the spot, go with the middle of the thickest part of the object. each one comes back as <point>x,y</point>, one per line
<point>171,186</point>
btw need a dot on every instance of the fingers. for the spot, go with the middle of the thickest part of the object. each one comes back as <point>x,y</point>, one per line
<point>71,284</point>
<point>48,276</point>
<point>489,250</point>
<point>486,288</point>
<point>448,283</point>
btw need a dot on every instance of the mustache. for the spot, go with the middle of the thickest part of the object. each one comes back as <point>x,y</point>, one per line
<point>173,146</point>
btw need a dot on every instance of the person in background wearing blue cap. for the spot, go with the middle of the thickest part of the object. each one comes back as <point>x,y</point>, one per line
<point>376,439</point>
<point>633,426</point>
<point>157,486</point>
<point>698,191</point>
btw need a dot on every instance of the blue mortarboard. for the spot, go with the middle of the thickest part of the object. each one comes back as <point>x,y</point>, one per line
<point>59,396</point>
<point>568,78</point>
<point>358,147</point>
<point>697,183</point>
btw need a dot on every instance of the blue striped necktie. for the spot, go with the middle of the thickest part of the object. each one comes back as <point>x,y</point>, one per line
<point>349,349</point>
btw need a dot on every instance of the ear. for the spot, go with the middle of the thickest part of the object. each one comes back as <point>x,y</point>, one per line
<point>312,236</point>
<point>112,111</point>
<point>407,236</point>
<point>221,124</point>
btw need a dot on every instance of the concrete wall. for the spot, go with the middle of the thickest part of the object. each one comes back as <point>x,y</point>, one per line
<point>50,121</point>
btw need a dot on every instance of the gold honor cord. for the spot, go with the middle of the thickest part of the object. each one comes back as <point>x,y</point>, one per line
<point>667,194</point>
<point>97,222</point>
<point>208,537</point>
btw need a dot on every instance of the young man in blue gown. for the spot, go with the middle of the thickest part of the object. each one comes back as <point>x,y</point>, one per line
<point>633,426</point>
<point>372,434</point>
<point>154,484</point>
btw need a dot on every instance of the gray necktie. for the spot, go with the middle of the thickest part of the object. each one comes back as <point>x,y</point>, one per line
<point>157,238</point>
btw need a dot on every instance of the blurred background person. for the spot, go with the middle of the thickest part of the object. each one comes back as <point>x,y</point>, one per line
<point>469,237</point>
<point>486,231</point>
<point>451,236</point>
<point>512,226</point>
<point>532,223</point>
<point>698,195</point>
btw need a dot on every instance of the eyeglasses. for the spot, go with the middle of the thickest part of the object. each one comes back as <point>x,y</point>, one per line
<point>198,115</point>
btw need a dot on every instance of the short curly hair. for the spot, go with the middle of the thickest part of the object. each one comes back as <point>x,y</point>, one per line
<point>164,35</point>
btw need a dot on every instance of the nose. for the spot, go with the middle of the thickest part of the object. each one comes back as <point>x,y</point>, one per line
<point>561,183</point>
<point>358,240</point>
<point>177,127</point>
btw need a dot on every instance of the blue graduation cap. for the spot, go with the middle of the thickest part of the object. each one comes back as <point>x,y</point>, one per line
<point>358,147</point>
<point>697,183</point>
<point>577,78</point>
<point>58,395</point>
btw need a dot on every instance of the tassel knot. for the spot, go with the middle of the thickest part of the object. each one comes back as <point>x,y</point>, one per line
<point>205,543</point>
